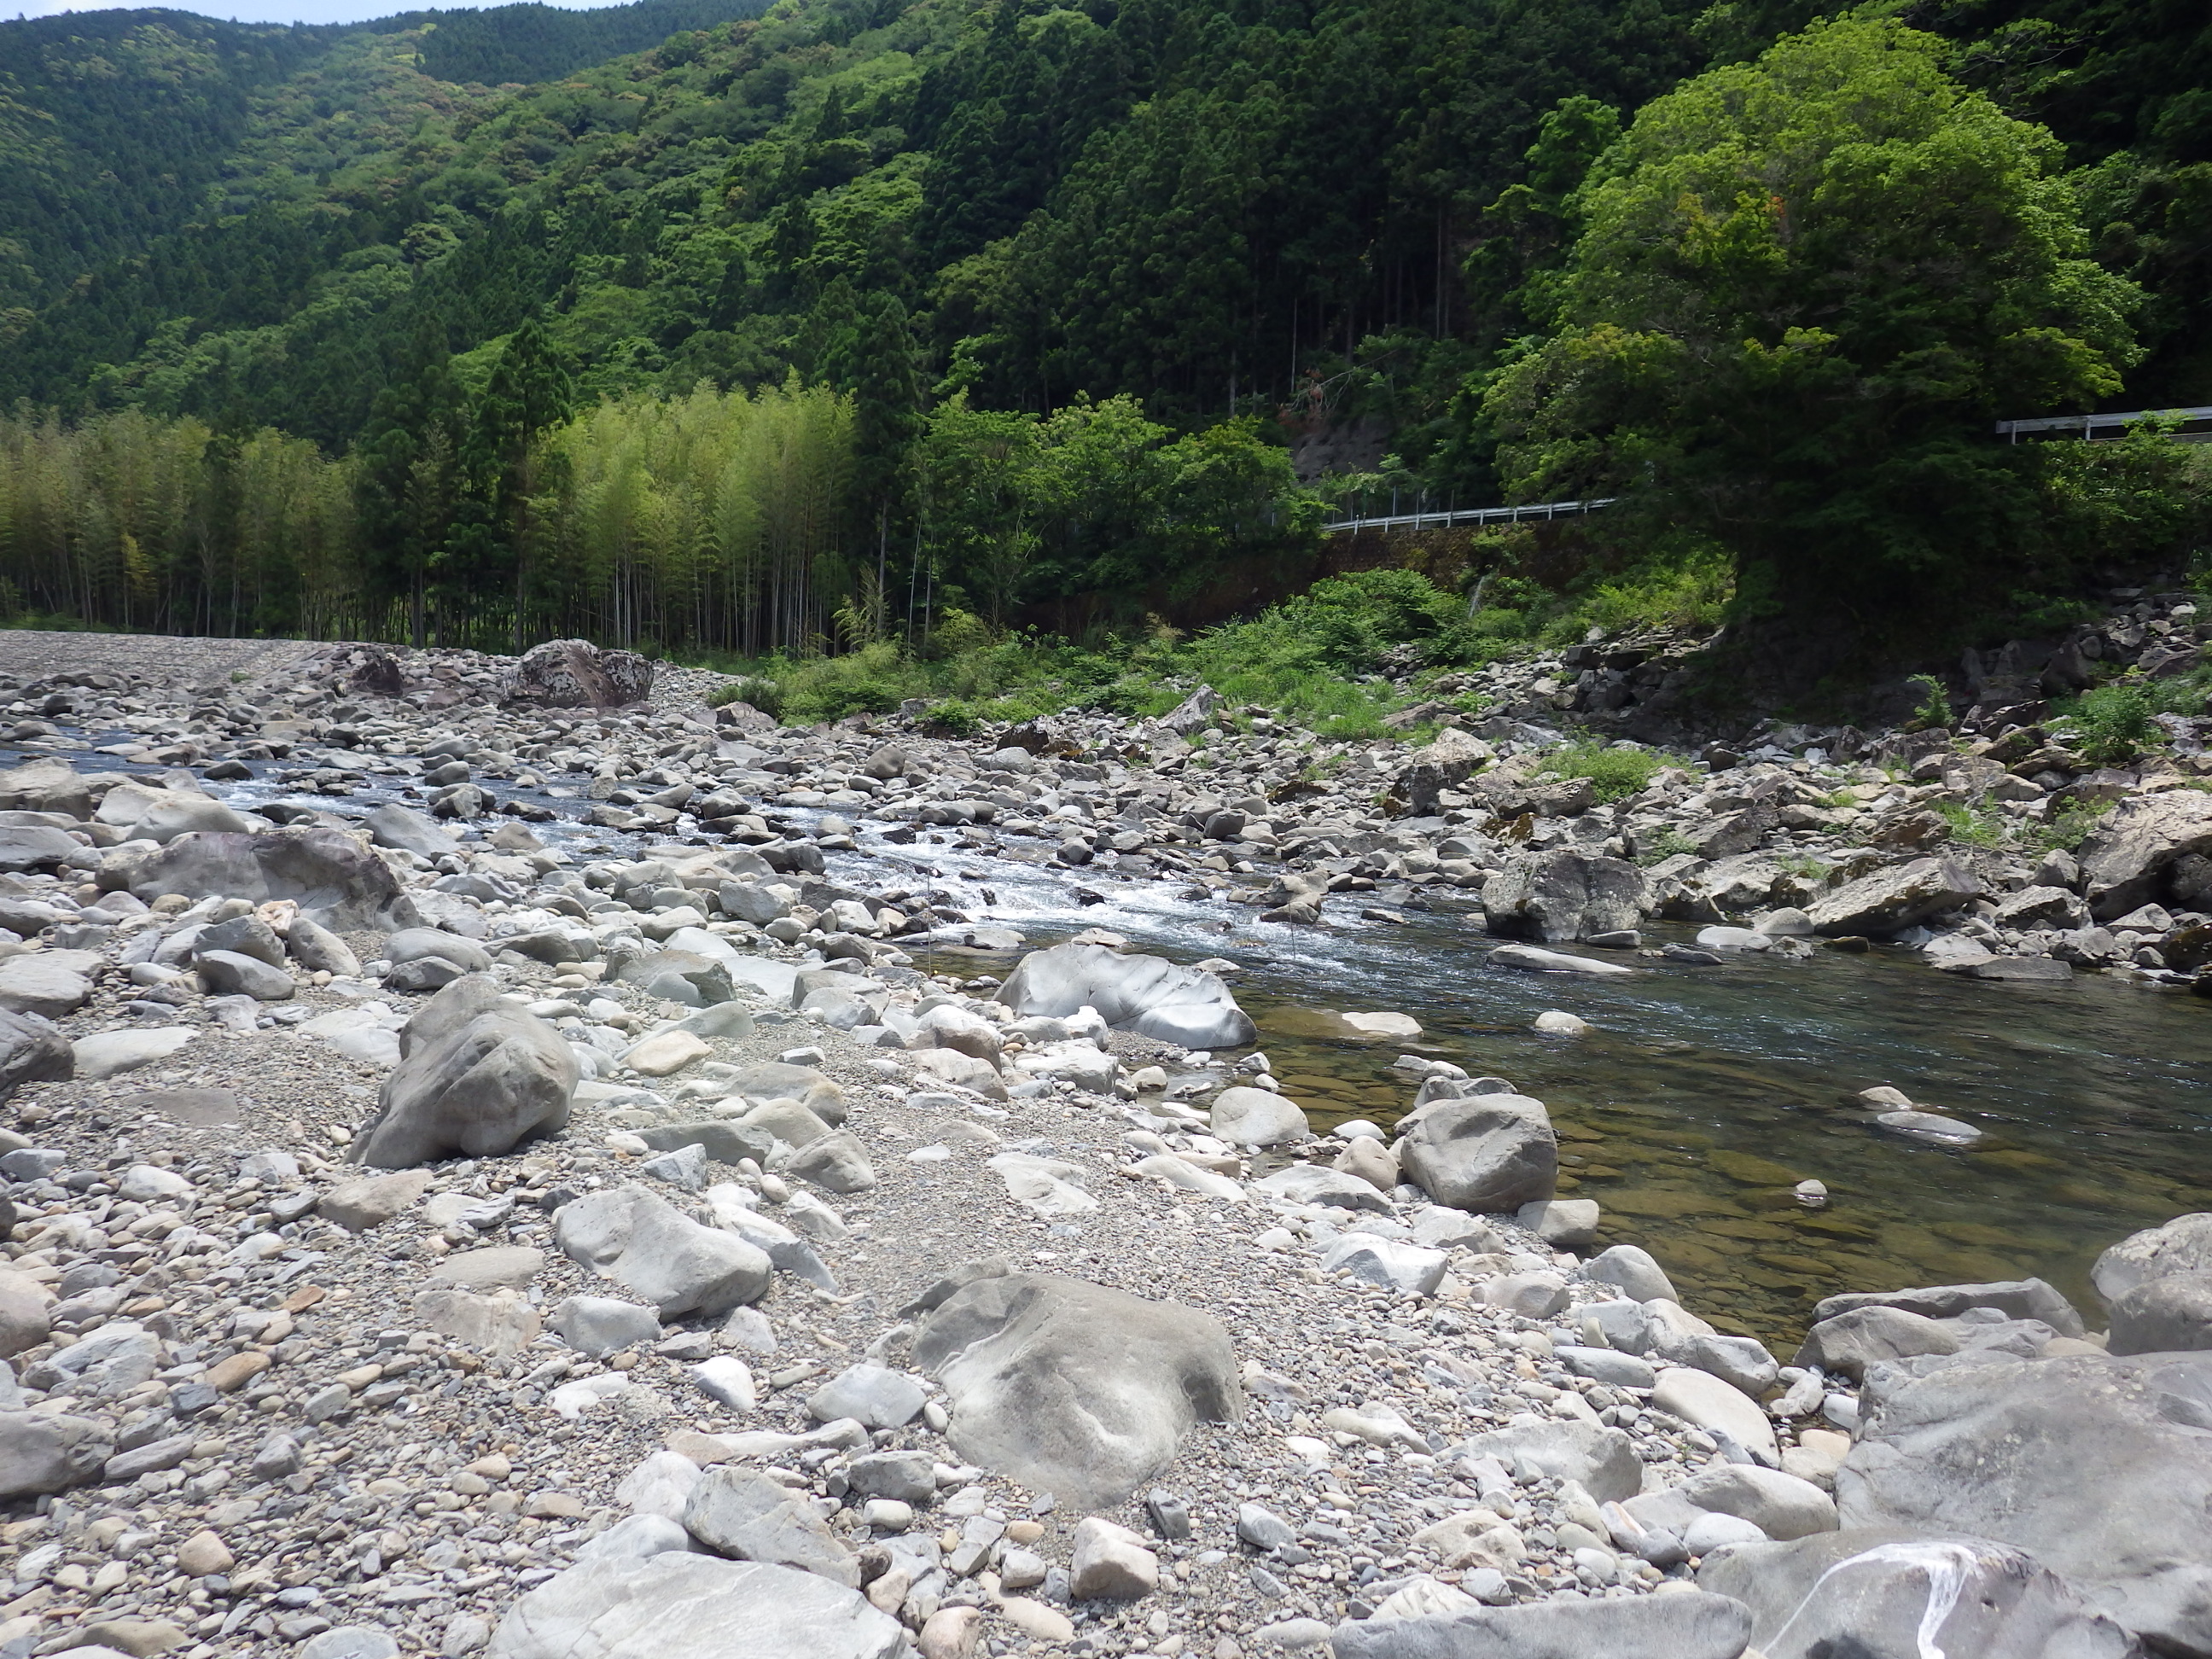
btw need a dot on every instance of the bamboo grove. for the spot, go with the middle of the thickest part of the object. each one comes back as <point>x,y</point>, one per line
<point>717,521</point>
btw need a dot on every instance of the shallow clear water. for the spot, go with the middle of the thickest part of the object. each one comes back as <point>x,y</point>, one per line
<point>1702,1095</point>
<point>1705,1094</point>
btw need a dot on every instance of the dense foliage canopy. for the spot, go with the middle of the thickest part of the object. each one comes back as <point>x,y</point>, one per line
<point>1089,283</point>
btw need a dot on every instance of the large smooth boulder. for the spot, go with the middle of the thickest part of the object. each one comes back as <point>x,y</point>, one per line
<point>44,985</point>
<point>677,1604</point>
<point>2182,1245</point>
<point>639,1241</point>
<point>332,876</point>
<point>31,1051</point>
<point>1445,764</point>
<point>1780,1505</point>
<point>2125,859</point>
<point>1602,1461</point>
<point>1483,1154</point>
<point>1878,1593</point>
<point>2015,1298</point>
<point>1712,1403</point>
<point>41,1454</point>
<point>476,1077</point>
<point>2171,1315</point>
<point>743,1515</point>
<point>2100,1468</point>
<point>46,786</point>
<point>1257,1117</point>
<point>1561,897</point>
<point>1689,1626</point>
<point>405,830</point>
<point>35,846</point>
<point>24,1313</point>
<point>1851,1341</point>
<point>1889,901</point>
<point>162,814</point>
<point>577,674</point>
<point>1073,1389</point>
<point>1149,995</point>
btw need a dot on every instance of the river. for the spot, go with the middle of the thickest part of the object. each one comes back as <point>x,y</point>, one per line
<point>1700,1095</point>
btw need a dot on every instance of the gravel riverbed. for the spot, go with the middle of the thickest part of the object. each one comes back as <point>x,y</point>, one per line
<point>757,1279</point>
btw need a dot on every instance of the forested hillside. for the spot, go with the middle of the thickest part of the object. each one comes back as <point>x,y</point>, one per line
<point>1248,220</point>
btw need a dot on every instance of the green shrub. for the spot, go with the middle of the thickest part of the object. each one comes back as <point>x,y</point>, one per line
<point>2114,723</point>
<point>1973,829</point>
<point>1618,770</point>
<point>954,718</point>
<point>1935,708</point>
<point>764,694</point>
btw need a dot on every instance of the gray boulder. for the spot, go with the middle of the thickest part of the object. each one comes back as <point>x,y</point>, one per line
<point>599,1325</point>
<point>333,877</point>
<point>1149,995</point>
<point>46,785</point>
<point>25,1320</point>
<point>677,1605</point>
<point>1889,901</point>
<point>771,1080</point>
<point>1312,1183</point>
<point>46,985</point>
<point>2126,857</point>
<point>1603,1460</point>
<point>577,674</point>
<point>2016,1298</point>
<point>245,936</point>
<point>837,1163</point>
<point>31,1051</point>
<point>2100,1468</point>
<point>1877,1593</point>
<point>1533,959</point>
<point>1851,1341</point>
<point>1073,1389</point>
<point>1445,764</point>
<point>2171,1315</point>
<point>910,1477</point>
<point>228,973</point>
<point>405,830</point>
<point>1561,897</point>
<point>1257,1117</point>
<point>1483,1154</point>
<point>416,944</point>
<point>1631,1266</point>
<point>749,1517</point>
<point>162,814</point>
<point>872,1396</point>
<point>41,1454</point>
<point>638,1240</point>
<point>1690,1626</point>
<point>476,1077</point>
<point>35,846</point>
<point>319,951</point>
<point>2182,1245</point>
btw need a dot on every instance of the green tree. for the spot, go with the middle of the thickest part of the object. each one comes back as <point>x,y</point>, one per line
<point>1805,288</point>
<point>530,392</point>
<point>403,483</point>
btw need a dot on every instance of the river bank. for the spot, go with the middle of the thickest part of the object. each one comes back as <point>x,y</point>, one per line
<point>1428,1408</point>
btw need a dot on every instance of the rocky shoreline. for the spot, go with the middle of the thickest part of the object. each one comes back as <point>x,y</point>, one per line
<point>427,1239</point>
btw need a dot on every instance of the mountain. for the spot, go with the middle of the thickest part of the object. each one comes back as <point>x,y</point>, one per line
<point>118,128</point>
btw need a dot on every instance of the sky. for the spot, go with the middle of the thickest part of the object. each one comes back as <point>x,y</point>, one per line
<point>276,11</point>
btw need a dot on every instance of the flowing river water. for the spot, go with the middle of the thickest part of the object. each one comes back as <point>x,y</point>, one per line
<point>1699,1098</point>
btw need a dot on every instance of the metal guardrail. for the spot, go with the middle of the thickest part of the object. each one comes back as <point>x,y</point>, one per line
<point>2087,426</point>
<point>1471,515</point>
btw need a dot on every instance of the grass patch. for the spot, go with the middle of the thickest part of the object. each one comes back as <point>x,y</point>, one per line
<point>1315,660</point>
<point>1617,770</point>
